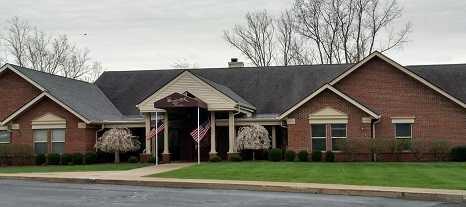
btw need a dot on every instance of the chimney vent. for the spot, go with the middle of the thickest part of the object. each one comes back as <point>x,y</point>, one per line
<point>234,63</point>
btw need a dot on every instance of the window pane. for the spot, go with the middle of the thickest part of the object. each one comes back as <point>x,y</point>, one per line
<point>403,130</point>
<point>40,135</point>
<point>58,147</point>
<point>318,145</point>
<point>5,136</point>
<point>338,144</point>
<point>338,130</point>
<point>58,135</point>
<point>318,130</point>
<point>40,147</point>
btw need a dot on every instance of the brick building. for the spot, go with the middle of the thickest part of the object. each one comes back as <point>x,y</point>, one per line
<point>343,108</point>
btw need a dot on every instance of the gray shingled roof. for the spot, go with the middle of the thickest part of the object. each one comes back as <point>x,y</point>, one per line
<point>84,98</point>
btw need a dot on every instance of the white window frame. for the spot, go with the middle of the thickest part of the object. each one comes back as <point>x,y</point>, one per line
<point>34,140</point>
<point>333,137</point>
<point>51,138</point>
<point>9,132</point>
<point>410,131</point>
<point>324,138</point>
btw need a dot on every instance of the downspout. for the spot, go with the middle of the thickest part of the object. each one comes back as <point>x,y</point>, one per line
<point>374,154</point>
<point>238,110</point>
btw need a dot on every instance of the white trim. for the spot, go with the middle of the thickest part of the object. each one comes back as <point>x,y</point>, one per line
<point>403,120</point>
<point>7,66</point>
<point>36,99</point>
<point>3,128</point>
<point>49,126</point>
<point>401,68</point>
<point>344,96</point>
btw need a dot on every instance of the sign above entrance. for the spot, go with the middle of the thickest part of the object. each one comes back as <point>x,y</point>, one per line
<point>177,100</point>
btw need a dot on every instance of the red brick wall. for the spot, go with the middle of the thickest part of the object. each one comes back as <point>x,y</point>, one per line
<point>299,133</point>
<point>392,93</point>
<point>76,139</point>
<point>14,93</point>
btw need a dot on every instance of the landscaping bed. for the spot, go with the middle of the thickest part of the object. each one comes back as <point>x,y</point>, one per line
<point>72,168</point>
<point>443,175</point>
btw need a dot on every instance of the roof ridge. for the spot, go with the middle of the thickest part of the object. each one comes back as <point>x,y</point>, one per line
<point>51,74</point>
<point>447,64</point>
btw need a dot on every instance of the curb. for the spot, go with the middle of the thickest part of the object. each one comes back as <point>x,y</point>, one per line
<point>398,194</point>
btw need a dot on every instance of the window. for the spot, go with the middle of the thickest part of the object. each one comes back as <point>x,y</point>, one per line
<point>5,136</point>
<point>403,135</point>
<point>58,141</point>
<point>338,136</point>
<point>40,141</point>
<point>318,137</point>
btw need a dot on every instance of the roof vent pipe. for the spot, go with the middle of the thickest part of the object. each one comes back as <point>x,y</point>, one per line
<point>234,63</point>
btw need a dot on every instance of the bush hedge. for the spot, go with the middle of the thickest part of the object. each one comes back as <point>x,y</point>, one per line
<point>40,159</point>
<point>53,158</point>
<point>290,155</point>
<point>133,159</point>
<point>303,156</point>
<point>90,158</point>
<point>458,153</point>
<point>16,154</point>
<point>316,156</point>
<point>235,157</point>
<point>77,159</point>
<point>66,159</point>
<point>329,156</point>
<point>275,155</point>
<point>215,158</point>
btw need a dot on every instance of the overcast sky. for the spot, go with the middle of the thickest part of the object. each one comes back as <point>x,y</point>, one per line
<point>145,34</point>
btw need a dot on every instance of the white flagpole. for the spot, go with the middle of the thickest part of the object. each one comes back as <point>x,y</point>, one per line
<point>156,139</point>
<point>198,139</point>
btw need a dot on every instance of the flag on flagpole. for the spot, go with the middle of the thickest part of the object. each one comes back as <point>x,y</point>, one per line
<point>154,131</point>
<point>203,129</point>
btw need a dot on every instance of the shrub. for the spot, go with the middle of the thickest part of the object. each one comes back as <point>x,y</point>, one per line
<point>290,155</point>
<point>16,154</point>
<point>66,159</point>
<point>329,156</point>
<point>40,159</point>
<point>90,157</point>
<point>215,158</point>
<point>439,149</point>
<point>235,157</point>
<point>316,156</point>
<point>133,159</point>
<point>303,156</point>
<point>77,158</point>
<point>458,153</point>
<point>53,159</point>
<point>151,159</point>
<point>275,155</point>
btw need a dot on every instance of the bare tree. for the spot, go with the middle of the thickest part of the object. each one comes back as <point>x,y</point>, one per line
<point>184,63</point>
<point>253,137</point>
<point>117,140</point>
<point>94,72</point>
<point>256,39</point>
<point>30,47</point>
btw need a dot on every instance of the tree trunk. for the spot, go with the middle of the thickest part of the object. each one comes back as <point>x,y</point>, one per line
<point>117,157</point>
<point>254,155</point>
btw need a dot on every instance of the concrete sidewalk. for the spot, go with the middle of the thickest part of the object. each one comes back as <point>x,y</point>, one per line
<point>137,177</point>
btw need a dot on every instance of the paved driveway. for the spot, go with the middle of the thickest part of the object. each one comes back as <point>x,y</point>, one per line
<point>37,194</point>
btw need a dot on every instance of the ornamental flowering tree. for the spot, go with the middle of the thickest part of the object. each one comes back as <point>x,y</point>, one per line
<point>116,141</point>
<point>253,137</point>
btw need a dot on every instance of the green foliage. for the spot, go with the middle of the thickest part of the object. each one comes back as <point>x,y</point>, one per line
<point>439,149</point>
<point>275,155</point>
<point>53,158</point>
<point>215,158</point>
<point>133,159</point>
<point>235,157</point>
<point>458,153</point>
<point>90,157</point>
<point>329,156</point>
<point>290,155</point>
<point>16,154</point>
<point>303,156</point>
<point>151,159</point>
<point>40,159</point>
<point>66,159</point>
<point>316,156</point>
<point>77,158</point>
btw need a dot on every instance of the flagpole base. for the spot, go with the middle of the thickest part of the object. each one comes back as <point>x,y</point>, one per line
<point>166,157</point>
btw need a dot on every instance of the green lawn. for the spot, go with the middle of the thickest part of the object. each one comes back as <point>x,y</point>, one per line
<point>445,175</point>
<point>72,168</point>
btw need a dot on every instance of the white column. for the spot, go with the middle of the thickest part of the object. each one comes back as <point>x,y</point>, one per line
<point>156,140</point>
<point>166,150</point>
<point>231,132</point>
<point>198,138</point>
<point>274,137</point>
<point>213,145</point>
<point>147,126</point>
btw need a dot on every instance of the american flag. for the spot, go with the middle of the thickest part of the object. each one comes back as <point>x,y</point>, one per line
<point>153,131</point>
<point>203,129</point>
